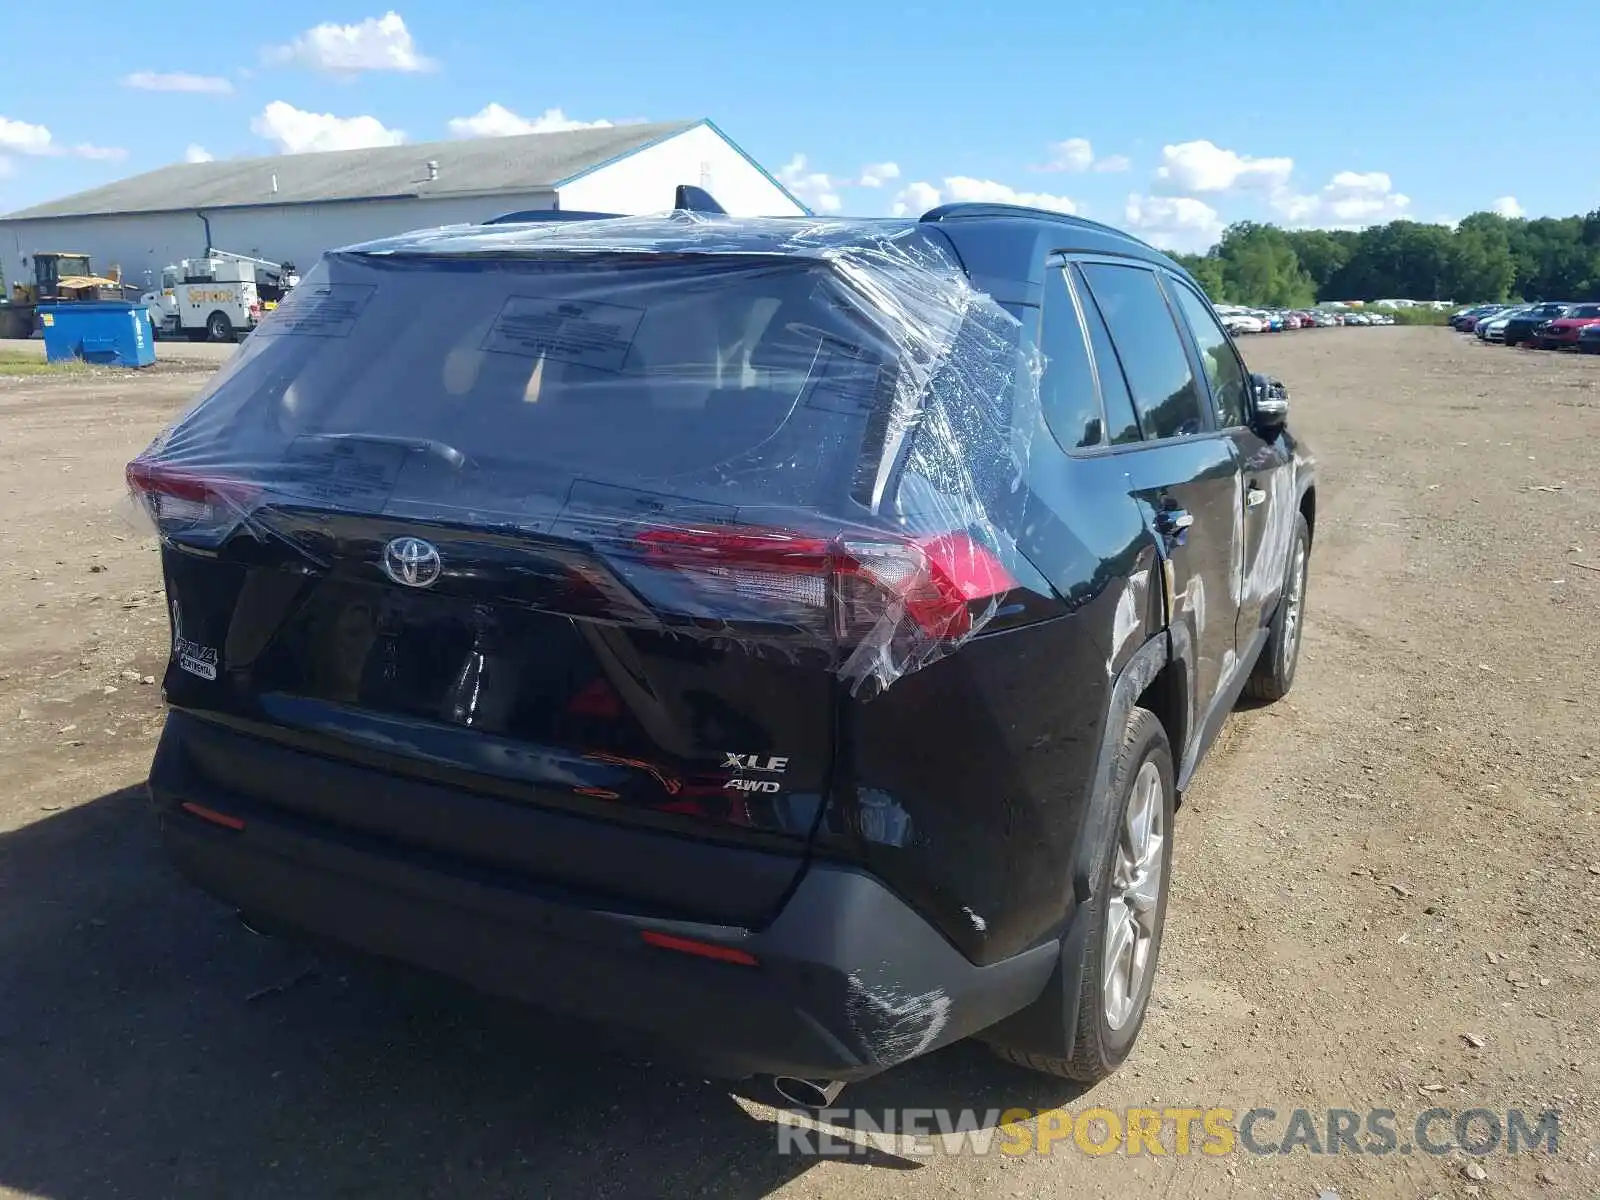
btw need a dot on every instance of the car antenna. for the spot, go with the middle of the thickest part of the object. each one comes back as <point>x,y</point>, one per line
<point>695,199</point>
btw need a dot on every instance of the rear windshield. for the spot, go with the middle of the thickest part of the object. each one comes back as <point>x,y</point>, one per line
<point>749,375</point>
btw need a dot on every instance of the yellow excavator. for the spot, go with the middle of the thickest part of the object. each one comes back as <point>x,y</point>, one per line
<point>59,277</point>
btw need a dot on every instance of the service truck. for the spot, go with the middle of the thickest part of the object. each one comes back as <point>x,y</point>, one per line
<point>217,298</point>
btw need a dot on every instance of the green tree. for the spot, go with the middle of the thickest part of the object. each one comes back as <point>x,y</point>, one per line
<point>1481,264</point>
<point>1259,266</point>
<point>1321,253</point>
<point>1485,257</point>
<point>1207,272</point>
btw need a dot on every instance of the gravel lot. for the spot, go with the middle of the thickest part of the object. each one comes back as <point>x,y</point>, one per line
<point>1385,887</point>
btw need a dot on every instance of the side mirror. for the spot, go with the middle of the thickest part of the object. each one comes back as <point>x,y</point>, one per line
<point>1271,405</point>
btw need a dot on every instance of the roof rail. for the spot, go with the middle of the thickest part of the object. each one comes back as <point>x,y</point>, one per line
<point>980,209</point>
<point>687,198</point>
<point>549,214</point>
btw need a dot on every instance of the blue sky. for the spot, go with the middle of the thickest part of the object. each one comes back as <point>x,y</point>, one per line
<point>1170,118</point>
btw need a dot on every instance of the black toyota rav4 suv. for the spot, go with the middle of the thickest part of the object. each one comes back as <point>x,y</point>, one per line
<point>787,638</point>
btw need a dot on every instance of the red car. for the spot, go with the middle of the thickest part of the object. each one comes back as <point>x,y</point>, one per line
<point>1562,333</point>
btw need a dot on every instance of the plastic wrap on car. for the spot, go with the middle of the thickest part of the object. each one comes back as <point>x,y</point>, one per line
<point>766,547</point>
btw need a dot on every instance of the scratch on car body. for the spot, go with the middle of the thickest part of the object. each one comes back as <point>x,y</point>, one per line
<point>894,1026</point>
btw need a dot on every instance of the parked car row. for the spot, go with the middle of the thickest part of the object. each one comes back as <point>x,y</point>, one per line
<point>1239,319</point>
<point>1549,325</point>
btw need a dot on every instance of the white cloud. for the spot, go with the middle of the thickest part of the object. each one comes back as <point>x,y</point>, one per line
<point>196,153</point>
<point>877,174</point>
<point>963,189</point>
<point>1508,206</point>
<point>1174,222</point>
<point>376,44</point>
<point>177,81</point>
<point>297,132</point>
<point>1204,167</point>
<point>24,138</point>
<point>1074,154</point>
<point>914,199</point>
<point>1350,198</point>
<point>815,190</point>
<point>496,120</point>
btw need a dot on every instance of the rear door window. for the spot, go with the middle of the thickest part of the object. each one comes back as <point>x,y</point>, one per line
<point>1122,426</point>
<point>1067,390</point>
<point>1151,350</point>
<point>1224,371</point>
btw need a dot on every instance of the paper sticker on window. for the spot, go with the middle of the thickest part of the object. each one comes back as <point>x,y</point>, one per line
<point>327,311</point>
<point>843,380</point>
<point>585,332</point>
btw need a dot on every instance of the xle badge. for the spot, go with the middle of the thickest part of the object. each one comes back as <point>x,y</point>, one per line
<point>753,762</point>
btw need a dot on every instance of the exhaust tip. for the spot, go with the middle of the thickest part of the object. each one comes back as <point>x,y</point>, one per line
<point>808,1093</point>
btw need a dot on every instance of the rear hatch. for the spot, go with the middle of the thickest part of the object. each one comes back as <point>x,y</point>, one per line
<point>598,534</point>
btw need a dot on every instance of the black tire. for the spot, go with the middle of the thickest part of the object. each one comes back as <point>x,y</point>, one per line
<point>219,328</point>
<point>1047,1037</point>
<point>1273,675</point>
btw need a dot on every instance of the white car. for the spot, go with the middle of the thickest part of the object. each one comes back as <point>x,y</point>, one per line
<point>1237,321</point>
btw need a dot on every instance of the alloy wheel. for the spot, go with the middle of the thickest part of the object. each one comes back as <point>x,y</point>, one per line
<point>1135,895</point>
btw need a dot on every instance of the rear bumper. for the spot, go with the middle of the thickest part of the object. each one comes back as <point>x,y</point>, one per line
<point>848,980</point>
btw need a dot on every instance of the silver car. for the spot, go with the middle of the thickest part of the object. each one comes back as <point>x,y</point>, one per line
<point>1493,329</point>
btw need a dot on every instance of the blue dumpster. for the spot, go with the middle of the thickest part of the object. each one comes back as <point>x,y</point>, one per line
<point>111,332</point>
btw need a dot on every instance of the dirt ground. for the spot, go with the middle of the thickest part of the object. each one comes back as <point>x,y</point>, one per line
<point>1385,886</point>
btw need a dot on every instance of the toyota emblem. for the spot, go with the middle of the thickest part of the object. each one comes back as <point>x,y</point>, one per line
<point>412,562</point>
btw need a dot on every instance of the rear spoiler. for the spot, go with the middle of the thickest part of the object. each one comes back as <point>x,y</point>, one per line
<point>687,198</point>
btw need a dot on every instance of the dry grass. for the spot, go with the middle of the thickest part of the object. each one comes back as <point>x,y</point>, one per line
<point>23,362</point>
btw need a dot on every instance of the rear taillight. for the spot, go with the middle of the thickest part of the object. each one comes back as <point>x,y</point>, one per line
<point>851,583</point>
<point>184,502</point>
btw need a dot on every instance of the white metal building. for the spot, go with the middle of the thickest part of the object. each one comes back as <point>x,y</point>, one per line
<point>291,208</point>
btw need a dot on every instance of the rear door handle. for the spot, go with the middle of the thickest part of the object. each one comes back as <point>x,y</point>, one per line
<point>1173,520</point>
<point>1254,497</point>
